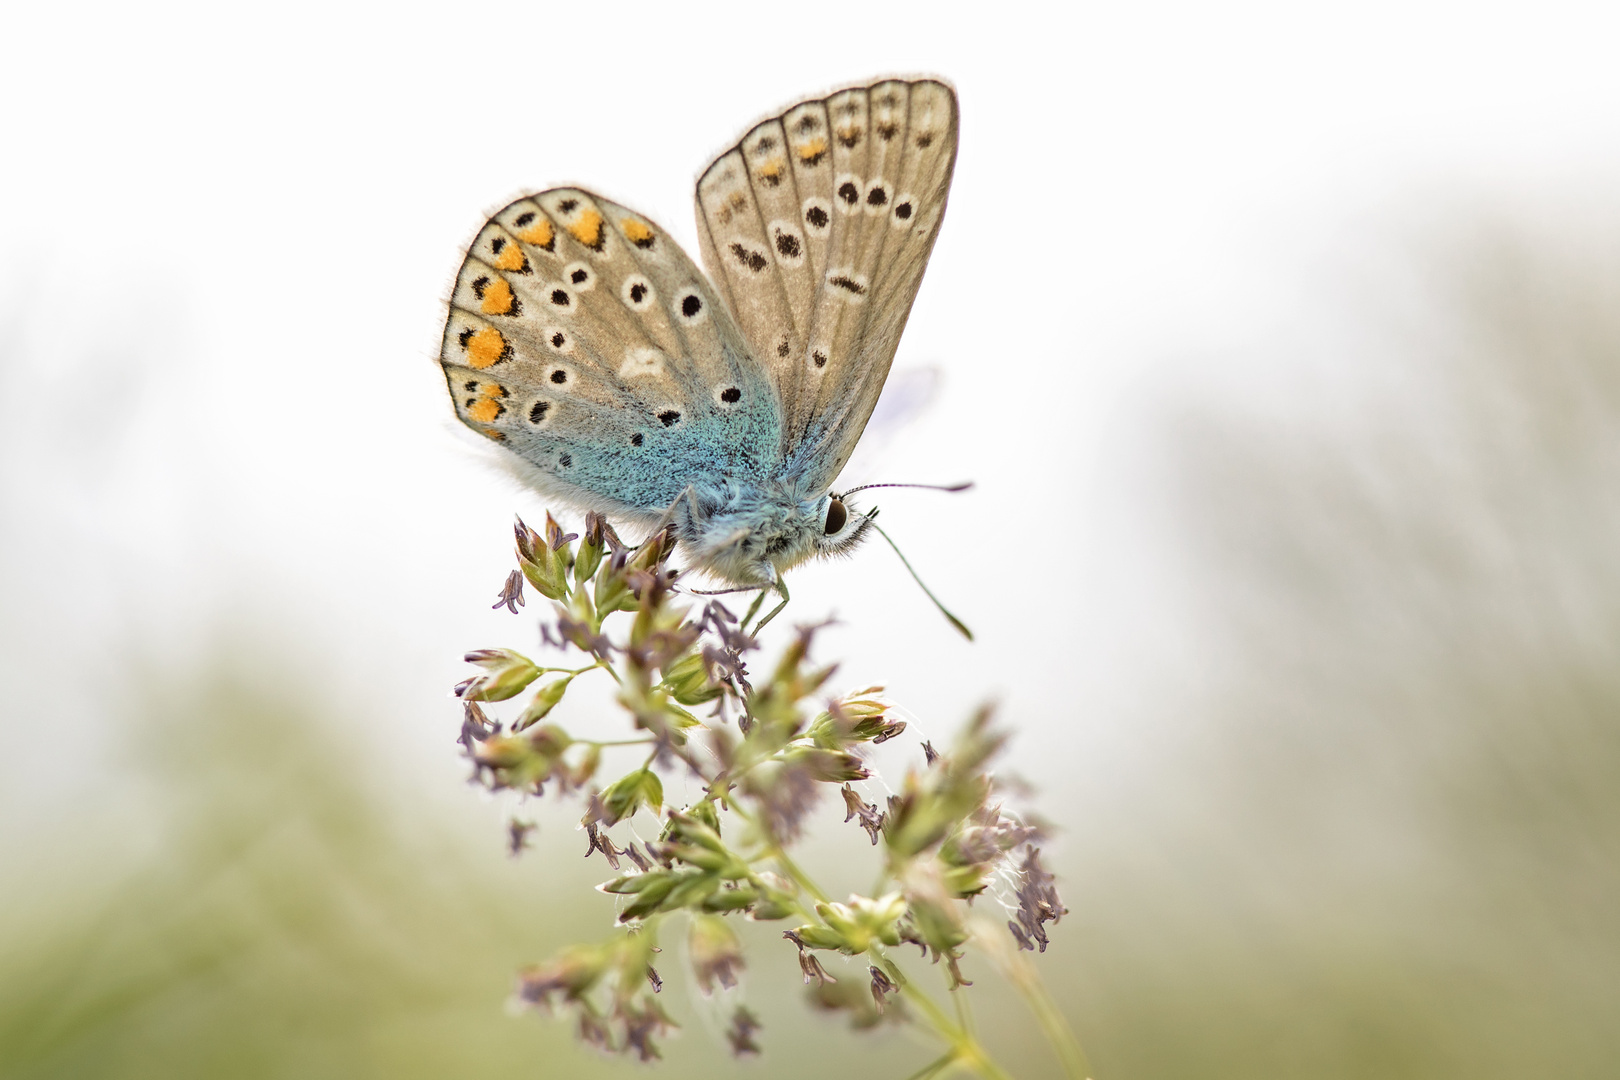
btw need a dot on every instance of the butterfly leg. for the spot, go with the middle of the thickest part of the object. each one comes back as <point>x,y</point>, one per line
<point>753,609</point>
<point>780,585</point>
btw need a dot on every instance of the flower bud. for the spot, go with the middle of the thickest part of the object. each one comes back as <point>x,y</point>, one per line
<point>591,548</point>
<point>544,701</point>
<point>777,898</point>
<point>650,896</point>
<point>585,768</point>
<point>612,591</point>
<point>688,681</point>
<point>626,795</point>
<point>571,974</point>
<point>828,766</point>
<point>738,899</point>
<point>535,560</point>
<point>506,673</point>
<point>511,597</point>
<point>935,914</point>
<point>741,1032</point>
<point>715,951</point>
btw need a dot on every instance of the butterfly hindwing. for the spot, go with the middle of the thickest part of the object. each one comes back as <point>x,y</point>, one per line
<point>818,227</point>
<point>585,341</point>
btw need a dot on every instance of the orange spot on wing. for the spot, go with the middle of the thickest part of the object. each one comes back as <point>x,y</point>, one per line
<point>637,233</point>
<point>588,229</point>
<point>772,169</point>
<point>485,348</point>
<point>812,150</point>
<point>540,234</point>
<point>512,258</point>
<point>498,298</point>
<point>484,410</point>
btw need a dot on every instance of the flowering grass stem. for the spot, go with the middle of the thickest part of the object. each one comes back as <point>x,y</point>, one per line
<point>772,747</point>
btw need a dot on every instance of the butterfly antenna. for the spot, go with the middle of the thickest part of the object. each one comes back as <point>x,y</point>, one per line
<point>943,610</point>
<point>931,487</point>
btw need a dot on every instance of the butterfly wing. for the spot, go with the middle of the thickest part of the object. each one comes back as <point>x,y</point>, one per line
<point>816,228</point>
<point>585,341</point>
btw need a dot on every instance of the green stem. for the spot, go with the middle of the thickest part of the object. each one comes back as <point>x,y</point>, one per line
<point>964,1012</point>
<point>773,849</point>
<point>964,1047</point>
<point>1054,1025</point>
<point>934,1068</point>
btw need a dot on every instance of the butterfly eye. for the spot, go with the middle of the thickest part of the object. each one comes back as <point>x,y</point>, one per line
<point>837,515</point>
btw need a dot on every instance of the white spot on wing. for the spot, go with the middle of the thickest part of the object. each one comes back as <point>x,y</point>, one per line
<point>642,363</point>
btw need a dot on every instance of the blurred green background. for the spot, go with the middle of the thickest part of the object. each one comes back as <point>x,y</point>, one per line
<point>1301,587</point>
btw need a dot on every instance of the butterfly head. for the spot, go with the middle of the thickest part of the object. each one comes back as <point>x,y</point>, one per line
<point>750,536</point>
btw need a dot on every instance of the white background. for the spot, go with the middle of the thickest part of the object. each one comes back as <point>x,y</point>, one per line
<point>226,233</point>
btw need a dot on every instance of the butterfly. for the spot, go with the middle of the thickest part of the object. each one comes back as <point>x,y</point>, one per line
<point>583,340</point>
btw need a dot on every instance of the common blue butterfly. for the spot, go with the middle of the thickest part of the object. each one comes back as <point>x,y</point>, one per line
<point>583,340</point>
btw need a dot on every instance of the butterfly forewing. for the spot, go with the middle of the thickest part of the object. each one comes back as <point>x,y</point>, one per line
<point>911,137</point>
<point>818,226</point>
<point>583,339</point>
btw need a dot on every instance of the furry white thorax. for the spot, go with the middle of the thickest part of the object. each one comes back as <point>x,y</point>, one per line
<point>750,534</point>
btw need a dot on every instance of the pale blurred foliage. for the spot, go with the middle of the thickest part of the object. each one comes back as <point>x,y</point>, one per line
<point>1393,844</point>
<point>1376,836</point>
